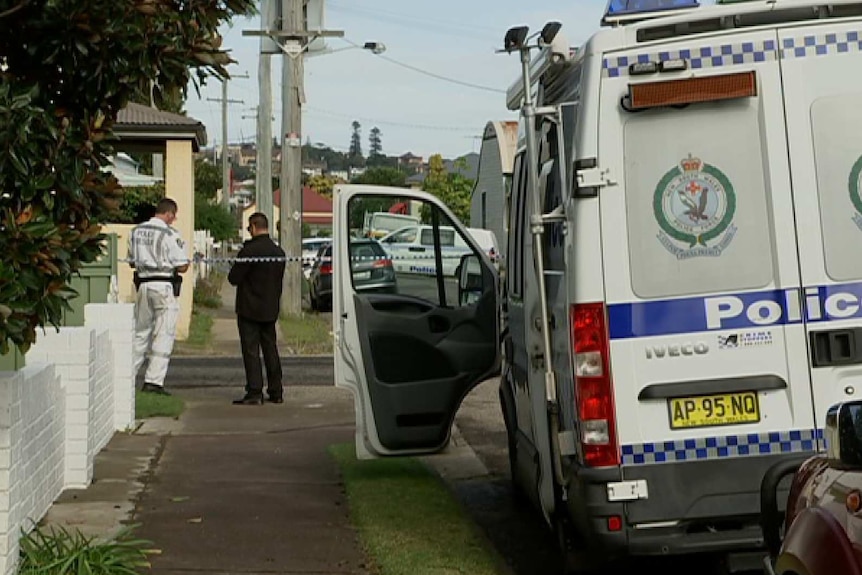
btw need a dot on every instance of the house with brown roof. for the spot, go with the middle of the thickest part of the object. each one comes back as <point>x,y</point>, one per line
<point>316,212</point>
<point>176,138</point>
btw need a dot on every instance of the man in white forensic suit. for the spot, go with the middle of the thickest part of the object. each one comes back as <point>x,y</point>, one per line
<point>158,255</point>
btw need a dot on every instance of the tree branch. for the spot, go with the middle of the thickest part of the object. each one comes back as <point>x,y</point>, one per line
<point>14,9</point>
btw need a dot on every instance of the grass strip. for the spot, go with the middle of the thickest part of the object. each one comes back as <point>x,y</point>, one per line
<point>154,405</point>
<point>307,334</point>
<point>200,329</point>
<point>408,521</point>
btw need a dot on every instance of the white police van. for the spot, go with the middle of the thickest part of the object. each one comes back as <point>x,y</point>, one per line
<point>696,193</point>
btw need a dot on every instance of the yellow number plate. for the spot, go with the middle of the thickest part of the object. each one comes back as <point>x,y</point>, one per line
<point>713,410</point>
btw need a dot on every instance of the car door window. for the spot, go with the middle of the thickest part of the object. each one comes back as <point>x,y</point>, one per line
<point>427,271</point>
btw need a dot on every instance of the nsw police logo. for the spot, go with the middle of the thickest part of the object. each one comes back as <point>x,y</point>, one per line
<point>694,204</point>
<point>855,185</point>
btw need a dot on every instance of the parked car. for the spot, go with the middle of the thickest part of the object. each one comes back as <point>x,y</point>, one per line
<point>378,224</point>
<point>412,248</point>
<point>370,266</point>
<point>823,520</point>
<point>310,248</point>
<point>487,240</point>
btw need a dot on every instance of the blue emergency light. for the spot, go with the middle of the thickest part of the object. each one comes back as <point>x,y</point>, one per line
<point>617,8</point>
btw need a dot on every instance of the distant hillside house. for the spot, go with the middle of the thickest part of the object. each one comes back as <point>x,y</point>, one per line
<point>128,172</point>
<point>489,204</point>
<point>412,163</point>
<point>471,171</point>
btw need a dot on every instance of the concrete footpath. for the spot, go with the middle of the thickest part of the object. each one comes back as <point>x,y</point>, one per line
<point>230,490</point>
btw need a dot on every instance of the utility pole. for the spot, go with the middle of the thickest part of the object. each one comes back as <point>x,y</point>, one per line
<point>293,39</point>
<point>264,138</point>
<point>225,165</point>
<point>293,96</point>
<point>263,162</point>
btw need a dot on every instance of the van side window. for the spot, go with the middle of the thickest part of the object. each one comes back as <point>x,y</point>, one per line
<point>447,237</point>
<point>836,123</point>
<point>515,264</point>
<point>552,196</point>
<point>406,236</point>
<point>696,201</point>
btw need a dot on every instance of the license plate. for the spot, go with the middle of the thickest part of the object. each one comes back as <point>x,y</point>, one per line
<point>362,275</point>
<point>714,410</point>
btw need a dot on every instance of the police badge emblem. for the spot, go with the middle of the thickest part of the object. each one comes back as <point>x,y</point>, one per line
<point>855,186</point>
<point>694,204</point>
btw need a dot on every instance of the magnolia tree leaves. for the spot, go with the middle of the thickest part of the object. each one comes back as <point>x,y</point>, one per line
<point>66,69</point>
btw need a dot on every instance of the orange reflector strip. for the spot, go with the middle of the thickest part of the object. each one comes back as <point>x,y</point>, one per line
<point>692,90</point>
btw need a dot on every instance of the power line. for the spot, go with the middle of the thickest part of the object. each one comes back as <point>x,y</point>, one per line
<point>448,27</point>
<point>433,75</point>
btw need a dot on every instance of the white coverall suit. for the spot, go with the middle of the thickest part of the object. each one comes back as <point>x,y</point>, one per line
<point>155,251</point>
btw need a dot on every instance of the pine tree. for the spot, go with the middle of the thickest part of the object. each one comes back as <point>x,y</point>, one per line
<point>356,141</point>
<point>375,142</point>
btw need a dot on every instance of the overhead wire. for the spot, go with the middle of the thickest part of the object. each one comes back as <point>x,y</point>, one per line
<point>422,23</point>
<point>432,74</point>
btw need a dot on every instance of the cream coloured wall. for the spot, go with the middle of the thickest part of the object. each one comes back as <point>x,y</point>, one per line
<point>180,186</point>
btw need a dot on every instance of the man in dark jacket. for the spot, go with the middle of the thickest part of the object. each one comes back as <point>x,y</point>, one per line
<point>258,303</point>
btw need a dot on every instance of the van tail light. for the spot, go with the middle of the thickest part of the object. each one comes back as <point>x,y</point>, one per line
<point>593,385</point>
<point>325,268</point>
<point>383,263</point>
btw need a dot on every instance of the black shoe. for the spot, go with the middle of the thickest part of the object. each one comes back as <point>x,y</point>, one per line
<point>249,400</point>
<point>275,399</point>
<point>153,388</point>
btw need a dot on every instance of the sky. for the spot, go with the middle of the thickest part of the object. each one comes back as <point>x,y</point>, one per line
<point>415,113</point>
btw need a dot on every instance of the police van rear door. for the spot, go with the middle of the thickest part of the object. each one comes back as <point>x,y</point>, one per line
<point>820,65</point>
<point>701,270</point>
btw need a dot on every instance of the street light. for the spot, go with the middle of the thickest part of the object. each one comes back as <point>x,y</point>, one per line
<point>375,48</point>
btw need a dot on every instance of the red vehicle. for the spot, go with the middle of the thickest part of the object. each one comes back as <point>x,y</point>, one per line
<point>823,521</point>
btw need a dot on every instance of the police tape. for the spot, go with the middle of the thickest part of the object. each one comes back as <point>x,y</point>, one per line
<point>293,259</point>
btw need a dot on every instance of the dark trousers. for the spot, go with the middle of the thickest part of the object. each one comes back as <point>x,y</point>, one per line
<point>254,337</point>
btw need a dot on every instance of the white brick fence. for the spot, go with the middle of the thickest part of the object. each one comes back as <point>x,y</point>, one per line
<point>57,413</point>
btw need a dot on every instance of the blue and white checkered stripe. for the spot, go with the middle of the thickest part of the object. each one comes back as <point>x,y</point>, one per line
<point>810,45</point>
<point>698,58</point>
<point>821,45</point>
<point>722,447</point>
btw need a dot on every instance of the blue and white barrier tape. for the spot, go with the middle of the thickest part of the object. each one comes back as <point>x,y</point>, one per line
<point>289,259</point>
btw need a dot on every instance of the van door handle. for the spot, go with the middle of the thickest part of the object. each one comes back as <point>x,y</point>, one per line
<point>416,249</point>
<point>836,347</point>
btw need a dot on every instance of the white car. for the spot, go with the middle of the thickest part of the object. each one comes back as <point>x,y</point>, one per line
<point>487,240</point>
<point>412,249</point>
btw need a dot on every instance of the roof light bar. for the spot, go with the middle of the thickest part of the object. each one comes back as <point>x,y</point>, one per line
<point>620,11</point>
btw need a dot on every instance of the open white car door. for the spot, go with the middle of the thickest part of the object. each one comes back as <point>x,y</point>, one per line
<point>409,346</point>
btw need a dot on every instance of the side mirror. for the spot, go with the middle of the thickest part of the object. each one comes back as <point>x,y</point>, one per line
<point>470,282</point>
<point>844,435</point>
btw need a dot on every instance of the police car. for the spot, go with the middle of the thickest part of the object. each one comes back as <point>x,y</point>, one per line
<point>693,305</point>
<point>412,249</point>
